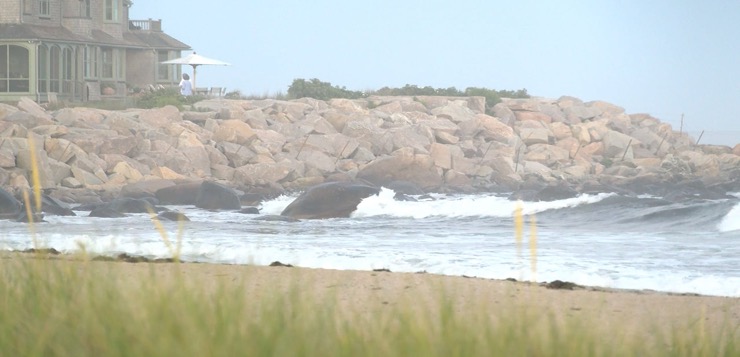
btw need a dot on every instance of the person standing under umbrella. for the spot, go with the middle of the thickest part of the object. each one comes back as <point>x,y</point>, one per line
<point>186,88</point>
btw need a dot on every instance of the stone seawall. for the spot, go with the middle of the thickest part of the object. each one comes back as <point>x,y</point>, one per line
<point>442,144</point>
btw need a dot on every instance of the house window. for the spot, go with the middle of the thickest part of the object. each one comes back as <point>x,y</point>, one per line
<point>106,63</point>
<point>67,70</point>
<point>121,64</point>
<point>14,71</point>
<point>111,10</point>
<point>43,70</point>
<point>44,8</point>
<point>55,59</point>
<point>90,62</point>
<point>111,63</point>
<point>163,70</point>
<point>85,8</point>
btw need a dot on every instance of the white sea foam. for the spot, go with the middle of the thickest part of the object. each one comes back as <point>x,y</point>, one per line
<point>461,206</point>
<point>731,221</point>
<point>277,205</point>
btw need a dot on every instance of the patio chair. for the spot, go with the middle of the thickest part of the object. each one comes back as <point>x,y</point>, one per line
<point>217,92</point>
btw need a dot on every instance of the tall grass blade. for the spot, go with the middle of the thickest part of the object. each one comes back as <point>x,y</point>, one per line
<point>35,179</point>
<point>29,214</point>
<point>174,251</point>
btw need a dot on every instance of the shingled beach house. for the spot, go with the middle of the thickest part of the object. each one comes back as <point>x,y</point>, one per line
<point>80,50</point>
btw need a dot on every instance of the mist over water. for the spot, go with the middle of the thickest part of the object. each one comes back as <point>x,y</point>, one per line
<point>603,240</point>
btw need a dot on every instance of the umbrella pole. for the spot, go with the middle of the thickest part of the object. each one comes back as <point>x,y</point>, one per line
<point>194,68</point>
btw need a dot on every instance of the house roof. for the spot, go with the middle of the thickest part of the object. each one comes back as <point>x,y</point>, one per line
<point>36,32</point>
<point>136,39</point>
<point>154,39</point>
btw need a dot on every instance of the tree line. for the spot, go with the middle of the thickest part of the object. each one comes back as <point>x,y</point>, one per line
<point>317,89</point>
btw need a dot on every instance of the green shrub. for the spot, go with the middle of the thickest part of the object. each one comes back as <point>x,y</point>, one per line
<point>314,88</point>
<point>235,94</point>
<point>279,95</point>
<point>166,96</point>
<point>324,91</point>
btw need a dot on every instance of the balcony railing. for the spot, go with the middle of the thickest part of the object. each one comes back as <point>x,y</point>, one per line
<point>145,25</point>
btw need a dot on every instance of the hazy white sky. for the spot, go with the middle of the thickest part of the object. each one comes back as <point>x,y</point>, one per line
<point>661,57</point>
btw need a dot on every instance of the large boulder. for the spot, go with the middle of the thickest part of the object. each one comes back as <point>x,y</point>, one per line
<point>27,160</point>
<point>179,194</point>
<point>492,128</point>
<point>618,145</point>
<point>532,136</point>
<point>266,173</point>
<point>52,206</point>
<point>456,111</point>
<point>9,206</point>
<point>160,117</point>
<point>146,188</point>
<point>329,200</point>
<point>234,131</point>
<point>403,166</point>
<point>215,196</point>
<point>131,205</point>
<point>104,211</point>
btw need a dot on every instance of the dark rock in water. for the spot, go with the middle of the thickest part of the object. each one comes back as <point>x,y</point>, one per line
<point>216,196</point>
<point>524,195</point>
<point>52,206</point>
<point>36,217</point>
<point>279,264</point>
<point>124,257</point>
<point>151,199</point>
<point>329,200</point>
<point>250,210</point>
<point>10,208</point>
<point>405,188</point>
<point>179,194</point>
<point>554,193</point>
<point>562,285</point>
<point>50,251</point>
<point>549,193</point>
<point>276,218</point>
<point>172,216</point>
<point>131,205</point>
<point>106,212</point>
<point>401,197</point>
<point>144,189</point>
<point>593,187</point>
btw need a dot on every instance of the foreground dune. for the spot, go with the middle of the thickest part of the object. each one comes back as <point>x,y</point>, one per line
<point>380,300</point>
<point>368,291</point>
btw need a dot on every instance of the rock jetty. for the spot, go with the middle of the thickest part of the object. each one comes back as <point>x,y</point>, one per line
<point>264,147</point>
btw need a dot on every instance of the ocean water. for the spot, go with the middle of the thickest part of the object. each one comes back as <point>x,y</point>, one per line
<point>604,240</point>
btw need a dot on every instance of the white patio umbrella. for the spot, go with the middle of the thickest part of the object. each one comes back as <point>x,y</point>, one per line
<point>195,60</point>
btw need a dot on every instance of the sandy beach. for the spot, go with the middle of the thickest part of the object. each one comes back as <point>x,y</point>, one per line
<point>626,313</point>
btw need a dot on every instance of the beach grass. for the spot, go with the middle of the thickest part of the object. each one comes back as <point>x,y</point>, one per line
<point>79,307</point>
